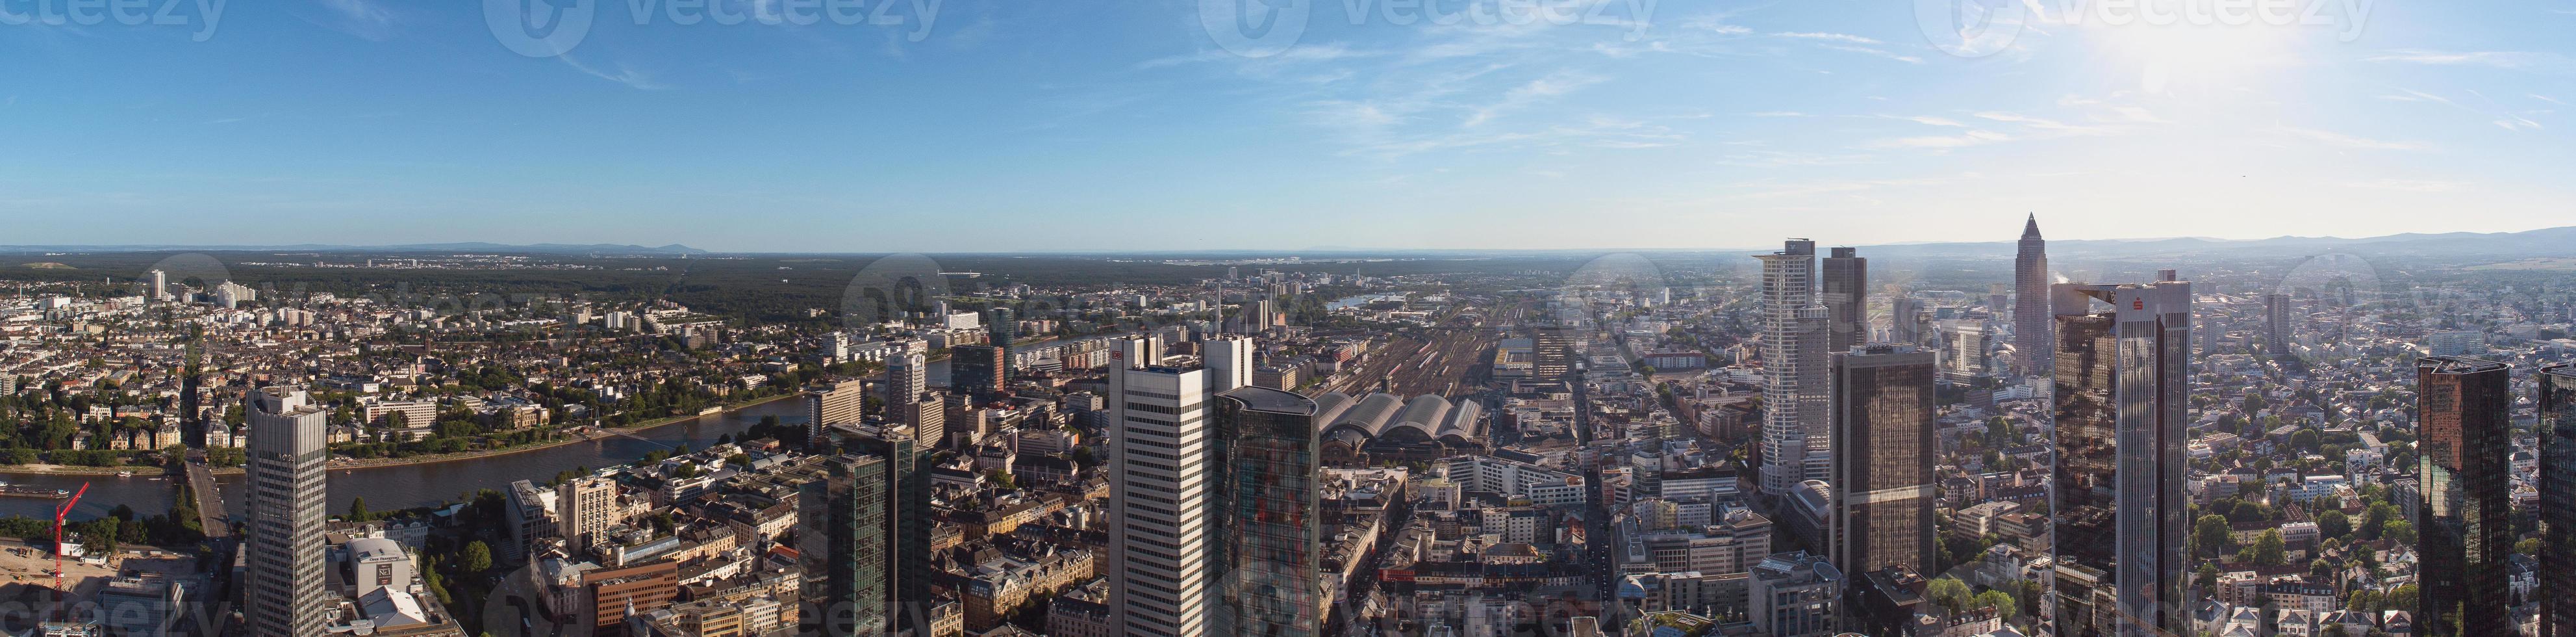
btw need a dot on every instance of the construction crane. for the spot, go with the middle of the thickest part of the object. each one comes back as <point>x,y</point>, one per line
<point>59,514</point>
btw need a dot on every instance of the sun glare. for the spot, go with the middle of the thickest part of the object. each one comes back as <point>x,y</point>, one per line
<point>2183,55</point>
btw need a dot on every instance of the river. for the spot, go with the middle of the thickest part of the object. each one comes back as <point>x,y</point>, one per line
<point>406,486</point>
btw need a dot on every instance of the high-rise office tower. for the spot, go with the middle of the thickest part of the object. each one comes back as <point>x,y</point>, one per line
<point>2557,501</point>
<point>844,402</point>
<point>160,290</point>
<point>1552,355</point>
<point>1905,324</point>
<point>1846,297</point>
<point>906,378</point>
<point>845,536</point>
<point>586,507</point>
<point>1884,409</point>
<point>2464,416</point>
<point>2031,316</point>
<point>1963,350</point>
<point>1163,450</point>
<point>282,595</point>
<point>976,371</point>
<point>863,521</point>
<point>1794,428</point>
<point>1004,328</point>
<point>1271,515</point>
<point>1228,359</point>
<point>2122,378</point>
<point>2276,324</point>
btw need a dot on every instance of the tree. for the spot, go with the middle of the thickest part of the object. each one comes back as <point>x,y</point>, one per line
<point>2266,550</point>
<point>2001,601</point>
<point>2333,525</point>
<point>2375,520</point>
<point>2213,536</point>
<point>1950,593</point>
<point>2365,600</point>
<point>2305,439</point>
<point>2249,512</point>
<point>2528,546</point>
<point>2399,531</point>
<point>358,510</point>
<point>478,557</point>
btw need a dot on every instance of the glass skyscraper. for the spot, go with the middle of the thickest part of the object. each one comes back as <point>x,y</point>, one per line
<point>2122,377</point>
<point>1884,407</point>
<point>863,536</point>
<point>2464,416</point>
<point>2557,501</point>
<point>1272,529</point>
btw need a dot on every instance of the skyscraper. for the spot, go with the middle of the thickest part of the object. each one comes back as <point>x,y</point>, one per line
<point>2031,319</point>
<point>1883,408</point>
<point>1905,325</point>
<point>2118,490</point>
<point>906,378</point>
<point>2464,416</point>
<point>976,370</point>
<point>282,595</point>
<point>2276,324</point>
<point>1163,454</point>
<point>1228,361</point>
<point>160,286</point>
<point>1004,328</point>
<point>1846,297</point>
<point>2557,501</point>
<point>1793,368</point>
<point>872,506</point>
<point>1271,515</point>
<point>845,537</point>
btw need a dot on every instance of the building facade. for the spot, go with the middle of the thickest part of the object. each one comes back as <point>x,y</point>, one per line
<point>2122,377</point>
<point>1884,406</point>
<point>2464,413</point>
<point>2557,501</point>
<point>1273,517</point>
<point>283,596</point>
<point>1846,297</point>
<point>1793,369</point>
<point>2032,319</point>
<point>1162,453</point>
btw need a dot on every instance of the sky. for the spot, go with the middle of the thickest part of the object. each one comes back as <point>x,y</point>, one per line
<point>971,125</point>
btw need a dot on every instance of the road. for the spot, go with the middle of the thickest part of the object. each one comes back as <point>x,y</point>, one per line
<point>210,502</point>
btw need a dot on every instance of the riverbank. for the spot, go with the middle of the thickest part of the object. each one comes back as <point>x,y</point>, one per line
<point>378,463</point>
<point>593,435</point>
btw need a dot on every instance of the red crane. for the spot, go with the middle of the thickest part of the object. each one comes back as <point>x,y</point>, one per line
<point>59,514</point>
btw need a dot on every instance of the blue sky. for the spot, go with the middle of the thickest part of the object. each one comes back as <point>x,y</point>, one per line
<point>1132,125</point>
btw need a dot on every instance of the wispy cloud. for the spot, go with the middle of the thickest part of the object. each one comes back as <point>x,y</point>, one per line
<point>1837,37</point>
<point>2331,138</point>
<point>1534,91</point>
<point>2517,123</point>
<point>1943,142</point>
<point>2520,60</point>
<point>2408,185</point>
<point>362,18</point>
<point>1908,59</point>
<point>626,75</point>
<point>1927,120</point>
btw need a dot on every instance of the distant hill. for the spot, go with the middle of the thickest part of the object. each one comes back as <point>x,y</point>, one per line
<point>541,248</point>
